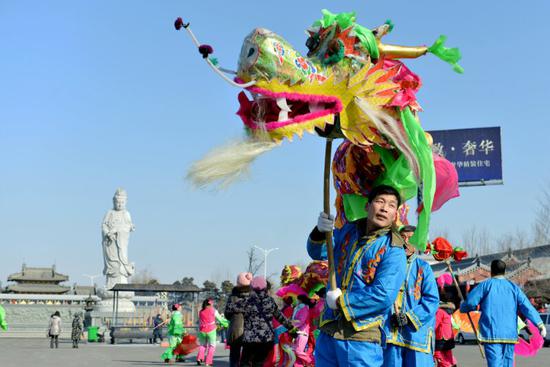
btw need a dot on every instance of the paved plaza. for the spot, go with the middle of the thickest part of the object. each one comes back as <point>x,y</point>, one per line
<point>36,352</point>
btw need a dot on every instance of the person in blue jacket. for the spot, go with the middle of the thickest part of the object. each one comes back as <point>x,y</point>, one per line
<point>370,267</point>
<point>500,300</point>
<point>410,327</point>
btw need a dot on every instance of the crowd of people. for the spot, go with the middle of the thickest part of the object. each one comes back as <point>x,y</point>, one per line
<point>387,308</point>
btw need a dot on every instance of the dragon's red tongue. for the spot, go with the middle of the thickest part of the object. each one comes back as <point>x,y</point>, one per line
<point>245,109</point>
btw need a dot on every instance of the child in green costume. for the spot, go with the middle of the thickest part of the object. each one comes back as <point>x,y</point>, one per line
<point>176,331</point>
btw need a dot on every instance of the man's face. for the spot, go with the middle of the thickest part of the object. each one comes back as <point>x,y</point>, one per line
<point>382,211</point>
<point>120,203</point>
<point>409,249</point>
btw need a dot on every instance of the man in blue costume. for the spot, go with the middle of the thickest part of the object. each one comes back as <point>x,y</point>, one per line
<point>500,300</point>
<point>370,267</point>
<point>409,329</point>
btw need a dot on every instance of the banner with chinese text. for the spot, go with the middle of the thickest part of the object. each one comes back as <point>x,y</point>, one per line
<point>475,153</point>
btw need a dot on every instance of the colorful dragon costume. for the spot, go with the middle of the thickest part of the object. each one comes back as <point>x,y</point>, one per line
<point>293,284</point>
<point>350,85</point>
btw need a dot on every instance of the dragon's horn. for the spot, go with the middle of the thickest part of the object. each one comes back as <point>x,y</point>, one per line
<point>401,52</point>
<point>449,55</point>
<point>206,51</point>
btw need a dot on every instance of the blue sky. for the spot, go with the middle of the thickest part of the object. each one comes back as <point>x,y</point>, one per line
<point>101,94</point>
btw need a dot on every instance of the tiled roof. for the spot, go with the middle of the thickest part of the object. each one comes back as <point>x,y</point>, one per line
<point>38,274</point>
<point>37,288</point>
<point>522,255</point>
<point>84,290</point>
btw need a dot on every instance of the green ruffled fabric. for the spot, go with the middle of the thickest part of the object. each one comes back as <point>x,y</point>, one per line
<point>450,55</point>
<point>346,20</point>
<point>355,206</point>
<point>397,174</point>
<point>423,152</point>
<point>3,323</point>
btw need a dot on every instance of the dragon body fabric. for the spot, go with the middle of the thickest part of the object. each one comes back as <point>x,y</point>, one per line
<point>350,85</point>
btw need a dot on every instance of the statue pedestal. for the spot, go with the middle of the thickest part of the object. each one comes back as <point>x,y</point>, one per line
<point>124,306</point>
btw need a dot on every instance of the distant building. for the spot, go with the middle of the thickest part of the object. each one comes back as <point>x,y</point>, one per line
<point>84,290</point>
<point>37,281</point>
<point>522,265</point>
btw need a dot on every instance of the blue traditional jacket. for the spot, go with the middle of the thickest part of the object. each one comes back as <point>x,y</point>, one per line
<point>500,300</point>
<point>419,299</point>
<point>369,271</point>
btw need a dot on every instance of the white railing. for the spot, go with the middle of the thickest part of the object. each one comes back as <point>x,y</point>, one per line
<point>68,299</point>
<point>44,299</point>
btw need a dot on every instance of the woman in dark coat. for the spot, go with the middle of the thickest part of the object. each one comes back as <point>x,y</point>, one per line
<point>258,309</point>
<point>236,319</point>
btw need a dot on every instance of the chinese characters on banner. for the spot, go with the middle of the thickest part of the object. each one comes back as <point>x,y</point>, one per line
<point>475,153</point>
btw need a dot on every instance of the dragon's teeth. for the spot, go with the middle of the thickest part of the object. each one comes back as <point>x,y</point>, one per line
<point>283,115</point>
<point>281,102</point>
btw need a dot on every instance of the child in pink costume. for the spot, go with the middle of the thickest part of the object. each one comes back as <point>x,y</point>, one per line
<point>301,320</point>
<point>314,318</point>
<point>444,337</point>
<point>208,317</point>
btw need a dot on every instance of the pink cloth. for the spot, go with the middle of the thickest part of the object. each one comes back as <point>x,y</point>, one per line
<point>299,347</point>
<point>443,325</point>
<point>207,319</point>
<point>530,348</point>
<point>207,350</point>
<point>300,318</point>
<point>444,358</point>
<point>315,311</point>
<point>446,182</point>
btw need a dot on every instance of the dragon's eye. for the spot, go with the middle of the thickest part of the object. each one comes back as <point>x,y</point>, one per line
<point>249,55</point>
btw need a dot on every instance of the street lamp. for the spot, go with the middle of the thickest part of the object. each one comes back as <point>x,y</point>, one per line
<point>266,252</point>
<point>92,277</point>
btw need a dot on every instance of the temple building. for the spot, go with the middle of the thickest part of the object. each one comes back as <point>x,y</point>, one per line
<point>527,267</point>
<point>37,281</point>
<point>522,265</point>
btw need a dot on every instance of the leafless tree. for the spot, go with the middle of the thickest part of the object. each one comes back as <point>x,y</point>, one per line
<point>254,261</point>
<point>477,241</point>
<point>144,276</point>
<point>514,241</point>
<point>440,232</point>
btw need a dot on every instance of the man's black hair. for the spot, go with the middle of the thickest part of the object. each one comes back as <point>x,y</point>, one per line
<point>384,190</point>
<point>498,267</point>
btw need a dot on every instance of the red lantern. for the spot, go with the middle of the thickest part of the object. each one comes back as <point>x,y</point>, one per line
<point>459,254</point>
<point>442,249</point>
